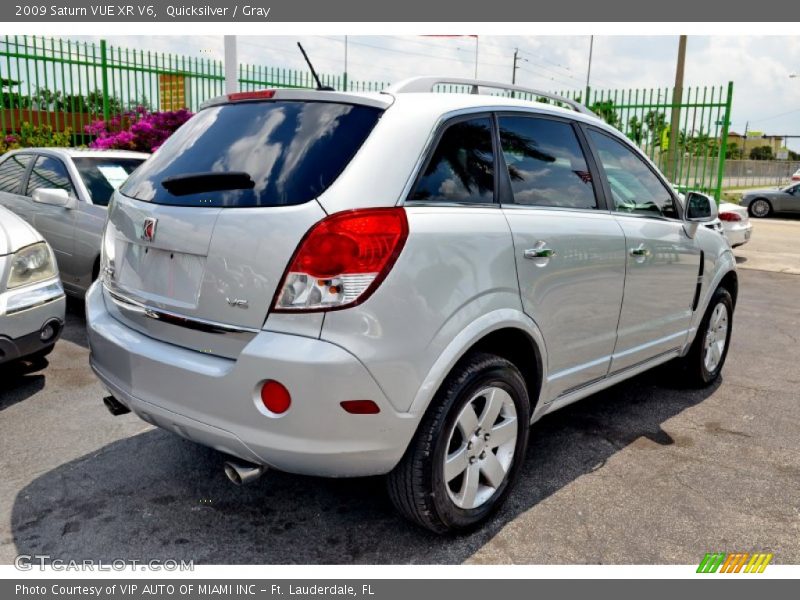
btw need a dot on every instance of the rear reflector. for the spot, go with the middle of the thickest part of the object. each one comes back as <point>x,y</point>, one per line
<point>275,397</point>
<point>258,95</point>
<point>729,216</point>
<point>360,407</point>
<point>342,260</point>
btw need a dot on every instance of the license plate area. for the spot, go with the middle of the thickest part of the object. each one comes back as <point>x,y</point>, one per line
<point>163,276</point>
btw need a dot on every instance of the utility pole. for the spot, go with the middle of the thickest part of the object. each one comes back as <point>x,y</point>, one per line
<point>744,139</point>
<point>589,70</point>
<point>675,118</point>
<point>231,78</point>
<point>476,57</point>
<point>514,69</point>
<point>345,64</point>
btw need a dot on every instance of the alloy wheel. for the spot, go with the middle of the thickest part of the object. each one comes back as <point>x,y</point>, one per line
<point>480,449</point>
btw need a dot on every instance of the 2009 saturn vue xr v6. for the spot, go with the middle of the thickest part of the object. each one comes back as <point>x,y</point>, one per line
<point>398,283</point>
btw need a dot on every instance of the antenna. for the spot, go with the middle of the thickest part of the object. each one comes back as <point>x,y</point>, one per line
<point>320,87</point>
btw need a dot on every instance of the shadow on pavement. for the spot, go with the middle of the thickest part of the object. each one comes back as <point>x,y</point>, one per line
<point>75,328</point>
<point>19,380</point>
<point>157,496</point>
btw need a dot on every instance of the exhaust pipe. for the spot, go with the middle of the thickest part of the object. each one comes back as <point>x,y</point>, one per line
<point>115,407</point>
<point>240,473</point>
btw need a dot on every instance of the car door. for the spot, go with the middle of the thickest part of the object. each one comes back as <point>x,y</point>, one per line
<point>570,252</point>
<point>55,223</point>
<point>13,173</point>
<point>663,261</point>
<point>790,199</point>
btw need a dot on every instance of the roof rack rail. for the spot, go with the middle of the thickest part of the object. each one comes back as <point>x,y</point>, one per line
<point>427,83</point>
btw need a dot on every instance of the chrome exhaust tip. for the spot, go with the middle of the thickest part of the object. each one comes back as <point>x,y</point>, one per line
<point>115,407</point>
<point>240,473</point>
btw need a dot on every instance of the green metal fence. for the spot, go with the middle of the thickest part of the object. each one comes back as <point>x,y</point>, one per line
<point>67,85</point>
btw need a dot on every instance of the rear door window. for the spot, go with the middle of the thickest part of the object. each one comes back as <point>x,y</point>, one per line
<point>461,169</point>
<point>12,172</point>
<point>49,173</point>
<point>254,154</point>
<point>545,163</point>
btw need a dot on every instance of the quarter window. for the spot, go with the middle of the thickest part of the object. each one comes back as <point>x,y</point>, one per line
<point>49,173</point>
<point>12,171</point>
<point>461,169</point>
<point>545,163</point>
<point>634,186</point>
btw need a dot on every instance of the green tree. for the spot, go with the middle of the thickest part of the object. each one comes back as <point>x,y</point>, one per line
<point>606,111</point>
<point>762,153</point>
<point>635,129</point>
<point>656,123</point>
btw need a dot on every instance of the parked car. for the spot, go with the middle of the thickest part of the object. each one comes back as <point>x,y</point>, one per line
<point>399,283</point>
<point>763,203</point>
<point>736,224</point>
<point>796,176</point>
<point>64,193</point>
<point>31,297</point>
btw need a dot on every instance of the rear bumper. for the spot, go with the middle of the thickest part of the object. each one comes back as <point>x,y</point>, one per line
<point>215,401</point>
<point>738,234</point>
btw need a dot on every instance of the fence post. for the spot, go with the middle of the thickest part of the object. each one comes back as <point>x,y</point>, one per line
<point>104,72</point>
<point>723,142</point>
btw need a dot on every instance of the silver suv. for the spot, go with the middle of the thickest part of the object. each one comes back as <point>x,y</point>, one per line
<point>398,283</point>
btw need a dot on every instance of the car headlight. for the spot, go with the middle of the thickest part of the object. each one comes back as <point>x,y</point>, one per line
<point>31,264</point>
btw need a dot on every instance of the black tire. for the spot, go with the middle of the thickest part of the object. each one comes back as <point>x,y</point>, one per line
<point>758,214</point>
<point>417,486</point>
<point>693,365</point>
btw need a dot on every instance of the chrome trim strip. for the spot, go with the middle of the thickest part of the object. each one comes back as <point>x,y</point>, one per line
<point>125,303</point>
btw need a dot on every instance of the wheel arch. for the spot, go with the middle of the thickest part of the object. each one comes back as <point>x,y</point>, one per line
<point>507,333</point>
<point>730,281</point>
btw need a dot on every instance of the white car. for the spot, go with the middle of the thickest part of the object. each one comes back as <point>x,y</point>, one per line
<point>736,226</point>
<point>31,297</point>
<point>796,176</point>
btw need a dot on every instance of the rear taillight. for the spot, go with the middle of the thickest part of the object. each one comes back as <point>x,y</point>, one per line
<point>342,260</point>
<point>729,216</point>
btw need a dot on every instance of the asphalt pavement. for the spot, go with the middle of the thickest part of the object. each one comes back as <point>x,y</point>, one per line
<point>645,472</point>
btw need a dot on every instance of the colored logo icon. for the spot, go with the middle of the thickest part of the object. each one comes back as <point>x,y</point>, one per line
<point>739,562</point>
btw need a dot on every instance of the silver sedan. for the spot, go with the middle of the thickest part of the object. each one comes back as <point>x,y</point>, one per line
<point>64,193</point>
<point>763,203</point>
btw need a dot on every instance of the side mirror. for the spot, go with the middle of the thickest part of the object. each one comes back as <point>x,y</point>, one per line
<point>700,208</point>
<point>53,197</point>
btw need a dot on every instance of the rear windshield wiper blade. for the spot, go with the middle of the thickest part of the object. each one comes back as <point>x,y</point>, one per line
<point>196,183</point>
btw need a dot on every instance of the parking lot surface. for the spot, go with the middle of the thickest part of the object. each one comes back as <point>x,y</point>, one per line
<point>645,472</point>
<point>775,246</point>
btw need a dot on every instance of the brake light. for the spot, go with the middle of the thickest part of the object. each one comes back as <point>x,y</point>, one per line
<point>342,260</point>
<point>729,216</point>
<point>257,95</point>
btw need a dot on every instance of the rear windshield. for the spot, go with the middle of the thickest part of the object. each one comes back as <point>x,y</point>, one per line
<point>103,175</point>
<point>254,154</point>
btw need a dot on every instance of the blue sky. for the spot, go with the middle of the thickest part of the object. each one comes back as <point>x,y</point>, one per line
<point>760,66</point>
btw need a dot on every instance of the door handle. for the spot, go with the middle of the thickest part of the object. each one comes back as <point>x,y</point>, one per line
<point>641,251</point>
<point>539,253</point>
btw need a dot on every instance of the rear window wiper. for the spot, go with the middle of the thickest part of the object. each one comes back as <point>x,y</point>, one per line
<point>195,183</point>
